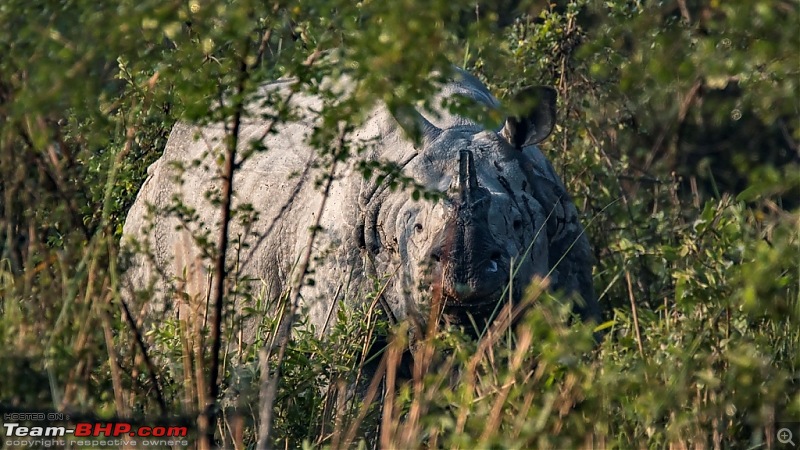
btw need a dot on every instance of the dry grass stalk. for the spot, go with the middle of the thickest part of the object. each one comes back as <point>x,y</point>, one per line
<point>635,314</point>
<point>493,425</point>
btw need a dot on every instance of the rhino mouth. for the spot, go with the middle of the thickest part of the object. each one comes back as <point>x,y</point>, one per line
<point>474,314</point>
<point>474,305</point>
<point>474,293</point>
<point>452,302</point>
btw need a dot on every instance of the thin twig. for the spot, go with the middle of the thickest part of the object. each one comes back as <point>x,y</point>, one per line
<point>151,370</point>
<point>684,11</point>
<point>368,399</point>
<point>635,314</point>
<point>116,377</point>
<point>393,358</point>
<point>220,271</point>
<point>687,102</point>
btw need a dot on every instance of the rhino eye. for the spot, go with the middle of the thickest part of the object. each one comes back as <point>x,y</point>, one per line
<point>418,227</point>
<point>517,224</point>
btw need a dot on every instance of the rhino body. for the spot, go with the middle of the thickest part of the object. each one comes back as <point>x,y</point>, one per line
<point>503,209</point>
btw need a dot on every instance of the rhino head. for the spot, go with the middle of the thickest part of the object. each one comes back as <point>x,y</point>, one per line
<point>471,264</point>
<point>504,218</point>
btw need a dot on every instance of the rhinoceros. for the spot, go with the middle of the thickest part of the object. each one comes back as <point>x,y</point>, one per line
<point>502,217</point>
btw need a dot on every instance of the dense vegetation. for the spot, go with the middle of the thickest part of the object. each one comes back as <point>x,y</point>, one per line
<point>678,139</point>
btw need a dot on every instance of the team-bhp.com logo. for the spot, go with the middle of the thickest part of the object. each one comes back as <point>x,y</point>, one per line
<point>86,433</point>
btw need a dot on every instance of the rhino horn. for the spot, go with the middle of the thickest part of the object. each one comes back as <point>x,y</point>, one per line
<point>468,178</point>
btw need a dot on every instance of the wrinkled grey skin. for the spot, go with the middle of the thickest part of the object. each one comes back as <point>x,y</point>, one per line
<point>502,198</point>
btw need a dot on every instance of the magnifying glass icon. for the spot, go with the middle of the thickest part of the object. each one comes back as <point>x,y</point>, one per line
<point>785,436</point>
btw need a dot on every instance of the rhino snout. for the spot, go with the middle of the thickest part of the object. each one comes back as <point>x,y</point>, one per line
<point>469,279</point>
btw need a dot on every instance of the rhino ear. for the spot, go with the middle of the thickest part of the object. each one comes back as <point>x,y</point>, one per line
<point>538,117</point>
<point>418,128</point>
